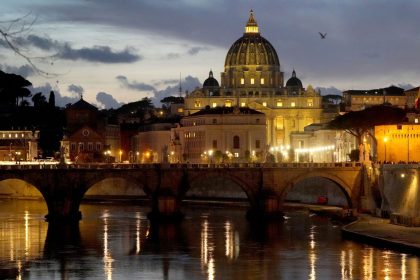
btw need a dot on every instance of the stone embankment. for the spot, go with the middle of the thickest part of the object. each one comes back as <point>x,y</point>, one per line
<point>380,232</point>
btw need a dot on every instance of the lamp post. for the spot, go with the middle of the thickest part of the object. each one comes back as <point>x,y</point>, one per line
<point>385,140</point>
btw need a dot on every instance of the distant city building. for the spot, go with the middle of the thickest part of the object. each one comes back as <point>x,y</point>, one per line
<point>317,144</point>
<point>398,142</point>
<point>253,78</point>
<point>228,134</point>
<point>18,145</point>
<point>355,100</point>
<point>88,138</point>
<point>412,97</point>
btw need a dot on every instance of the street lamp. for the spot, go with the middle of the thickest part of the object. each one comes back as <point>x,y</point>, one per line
<point>120,153</point>
<point>385,140</point>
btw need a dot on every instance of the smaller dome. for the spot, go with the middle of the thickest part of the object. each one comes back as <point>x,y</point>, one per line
<point>294,81</point>
<point>210,82</point>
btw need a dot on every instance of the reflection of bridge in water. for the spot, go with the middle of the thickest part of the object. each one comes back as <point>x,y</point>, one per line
<point>265,185</point>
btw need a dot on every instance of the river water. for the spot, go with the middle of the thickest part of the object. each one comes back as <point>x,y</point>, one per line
<point>116,241</point>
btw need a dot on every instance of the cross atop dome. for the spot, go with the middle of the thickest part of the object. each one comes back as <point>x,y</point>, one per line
<point>251,25</point>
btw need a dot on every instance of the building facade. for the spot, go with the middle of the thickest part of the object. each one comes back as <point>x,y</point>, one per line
<point>220,134</point>
<point>18,145</point>
<point>398,142</point>
<point>253,78</point>
<point>356,100</point>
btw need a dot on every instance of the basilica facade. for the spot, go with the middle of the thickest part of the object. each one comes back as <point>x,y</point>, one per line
<point>253,78</point>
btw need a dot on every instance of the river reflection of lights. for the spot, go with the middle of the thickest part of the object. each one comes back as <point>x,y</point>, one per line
<point>107,253</point>
<point>26,233</point>
<point>312,254</point>
<point>403,266</point>
<point>368,263</point>
<point>346,263</point>
<point>138,233</point>
<point>231,241</point>
<point>207,248</point>
<point>387,266</point>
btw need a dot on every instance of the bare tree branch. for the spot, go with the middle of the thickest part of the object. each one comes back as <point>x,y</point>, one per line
<point>12,31</point>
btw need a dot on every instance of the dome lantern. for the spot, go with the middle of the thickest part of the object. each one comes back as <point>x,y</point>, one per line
<point>251,26</point>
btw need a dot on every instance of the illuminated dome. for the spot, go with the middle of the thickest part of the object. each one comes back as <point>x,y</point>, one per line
<point>251,48</point>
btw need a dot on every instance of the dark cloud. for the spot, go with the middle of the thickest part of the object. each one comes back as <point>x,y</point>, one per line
<point>134,84</point>
<point>406,86</point>
<point>98,54</point>
<point>76,90</point>
<point>64,50</point>
<point>107,100</point>
<point>24,70</point>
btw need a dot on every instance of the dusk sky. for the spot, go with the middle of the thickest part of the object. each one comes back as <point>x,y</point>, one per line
<point>121,51</point>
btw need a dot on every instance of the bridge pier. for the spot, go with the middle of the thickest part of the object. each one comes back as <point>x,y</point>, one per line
<point>63,211</point>
<point>166,207</point>
<point>266,208</point>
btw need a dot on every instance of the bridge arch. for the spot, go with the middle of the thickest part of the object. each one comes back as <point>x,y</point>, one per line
<point>114,185</point>
<point>234,185</point>
<point>341,184</point>
<point>19,188</point>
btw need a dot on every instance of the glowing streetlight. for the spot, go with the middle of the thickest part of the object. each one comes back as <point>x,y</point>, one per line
<point>385,140</point>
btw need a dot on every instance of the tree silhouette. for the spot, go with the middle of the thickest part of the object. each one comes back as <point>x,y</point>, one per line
<point>360,123</point>
<point>13,87</point>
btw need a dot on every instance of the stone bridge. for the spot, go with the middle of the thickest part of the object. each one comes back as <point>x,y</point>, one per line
<point>266,185</point>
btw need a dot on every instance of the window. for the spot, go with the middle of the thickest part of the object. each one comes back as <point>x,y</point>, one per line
<point>257,144</point>
<point>214,104</point>
<point>90,147</point>
<point>252,81</point>
<point>197,104</point>
<point>310,102</point>
<point>98,146</point>
<point>72,146</point>
<point>236,155</point>
<point>236,142</point>
<point>279,103</point>
<point>180,110</point>
<point>257,121</point>
<point>214,144</point>
<point>242,81</point>
<point>265,104</point>
<point>228,103</point>
<point>243,104</point>
<point>293,104</point>
<point>262,81</point>
<point>81,147</point>
<point>214,121</point>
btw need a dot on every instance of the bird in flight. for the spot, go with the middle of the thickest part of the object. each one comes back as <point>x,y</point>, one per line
<point>322,35</point>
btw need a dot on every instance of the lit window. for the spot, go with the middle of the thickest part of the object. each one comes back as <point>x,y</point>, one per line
<point>228,103</point>
<point>293,104</point>
<point>310,102</point>
<point>197,104</point>
<point>416,120</point>
<point>262,81</point>
<point>279,103</point>
<point>180,110</point>
<point>214,104</point>
<point>252,81</point>
<point>264,104</point>
<point>242,81</point>
<point>236,155</point>
<point>243,104</point>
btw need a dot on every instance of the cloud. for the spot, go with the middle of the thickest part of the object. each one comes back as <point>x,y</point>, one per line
<point>60,100</point>
<point>24,70</point>
<point>134,84</point>
<point>196,50</point>
<point>64,50</point>
<point>406,86</point>
<point>329,90</point>
<point>102,54</point>
<point>188,84</point>
<point>107,100</point>
<point>173,55</point>
<point>76,90</point>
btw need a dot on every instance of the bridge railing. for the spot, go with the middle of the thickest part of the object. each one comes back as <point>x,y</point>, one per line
<point>180,165</point>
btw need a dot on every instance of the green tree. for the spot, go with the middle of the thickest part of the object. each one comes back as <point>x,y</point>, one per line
<point>167,101</point>
<point>39,100</point>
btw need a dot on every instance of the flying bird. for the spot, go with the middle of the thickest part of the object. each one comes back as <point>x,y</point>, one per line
<point>322,35</point>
